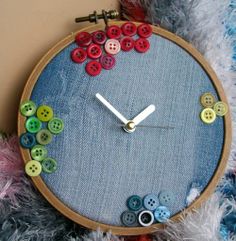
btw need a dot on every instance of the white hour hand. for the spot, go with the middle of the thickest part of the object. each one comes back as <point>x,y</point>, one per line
<point>144,114</point>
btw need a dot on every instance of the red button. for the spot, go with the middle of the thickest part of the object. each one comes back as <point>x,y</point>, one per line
<point>78,55</point>
<point>127,43</point>
<point>83,39</point>
<point>93,68</point>
<point>129,29</point>
<point>107,61</point>
<point>94,51</point>
<point>144,30</point>
<point>99,37</point>
<point>113,32</point>
<point>142,45</point>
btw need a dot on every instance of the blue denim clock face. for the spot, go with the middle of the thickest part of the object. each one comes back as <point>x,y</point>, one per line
<point>99,164</point>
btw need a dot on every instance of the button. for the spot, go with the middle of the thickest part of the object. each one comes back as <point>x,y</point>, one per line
<point>134,203</point>
<point>38,153</point>
<point>28,108</point>
<point>112,46</point>
<point>56,125</point>
<point>208,115</point>
<point>220,108</point>
<point>128,218</point>
<point>166,198</point>
<point>142,45</point>
<point>78,55</point>
<point>207,100</point>
<point>127,43</point>
<point>99,37</point>
<point>129,29</point>
<point>27,140</point>
<point>162,214</point>
<point>94,51</point>
<point>93,68</point>
<point>113,32</point>
<point>151,202</point>
<point>144,30</point>
<point>33,168</point>
<point>83,39</point>
<point>44,137</point>
<point>146,218</point>
<point>107,61</point>
<point>33,125</point>
<point>44,113</point>
<point>49,165</point>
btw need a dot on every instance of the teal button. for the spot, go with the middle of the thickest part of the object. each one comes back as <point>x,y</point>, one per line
<point>134,203</point>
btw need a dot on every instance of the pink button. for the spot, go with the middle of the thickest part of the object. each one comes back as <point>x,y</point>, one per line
<point>129,29</point>
<point>78,55</point>
<point>99,37</point>
<point>144,30</point>
<point>113,32</point>
<point>83,39</point>
<point>107,61</point>
<point>112,46</point>
<point>93,68</point>
<point>94,51</point>
<point>142,45</point>
<point>127,43</point>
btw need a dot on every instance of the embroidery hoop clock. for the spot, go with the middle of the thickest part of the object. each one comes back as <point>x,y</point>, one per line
<point>69,212</point>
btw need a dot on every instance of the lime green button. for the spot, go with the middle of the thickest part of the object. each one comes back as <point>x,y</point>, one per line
<point>220,108</point>
<point>207,100</point>
<point>44,113</point>
<point>56,125</point>
<point>49,165</point>
<point>33,125</point>
<point>33,168</point>
<point>208,115</point>
<point>44,137</point>
<point>28,108</point>
<point>39,153</point>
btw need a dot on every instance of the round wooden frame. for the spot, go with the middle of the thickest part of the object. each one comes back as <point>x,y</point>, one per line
<point>39,183</point>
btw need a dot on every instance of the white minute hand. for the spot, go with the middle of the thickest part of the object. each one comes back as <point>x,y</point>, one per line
<point>144,114</point>
<point>112,109</point>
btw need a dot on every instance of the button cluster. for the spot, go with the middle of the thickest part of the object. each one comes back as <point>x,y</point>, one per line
<point>145,211</point>
<point>101,46</point>
<point>212,108</point>
<point>40,126</point>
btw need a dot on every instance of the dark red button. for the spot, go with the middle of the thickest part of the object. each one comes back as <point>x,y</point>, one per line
<point>78,55</point>
<point>129,29</point>
<point>142,45</point>
<point>107,61</point>
<point>83,39</point>
<point>99,37</point>
<point>113,32</point>
<point>93,68</point>
<point>144,30</point>
<point>127,43</point>
<point>94,51</point>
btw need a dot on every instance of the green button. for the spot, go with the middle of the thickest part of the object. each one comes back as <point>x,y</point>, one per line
<point>33,168</point>
<point>39,153</point>
<point>49,165</point>
<point>44,137</point>
<point>56,125</point>
<point>33,125</point>
<point>28,108</point>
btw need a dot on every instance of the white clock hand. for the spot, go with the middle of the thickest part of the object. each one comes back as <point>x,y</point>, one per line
<point>112,109</point>
<point>144,114</point>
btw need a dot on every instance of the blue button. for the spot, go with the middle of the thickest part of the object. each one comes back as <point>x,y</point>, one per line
<point>134,203</point>
<point>162,214</point>
<point>146,218</point>
<point>128,218</point>
<point>151,202</point>
<point>166,198</point>
<point>27,140</point>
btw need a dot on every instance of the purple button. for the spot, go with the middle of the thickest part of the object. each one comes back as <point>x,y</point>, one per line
<point>107,61</point>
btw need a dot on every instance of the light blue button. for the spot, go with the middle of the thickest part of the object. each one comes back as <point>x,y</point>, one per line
<point>134,203</point>
<point>162,214</point>
<point>151,202</point>
<point>166,198</point>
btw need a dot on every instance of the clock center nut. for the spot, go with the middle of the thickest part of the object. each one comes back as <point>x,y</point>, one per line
<point>130,127</point>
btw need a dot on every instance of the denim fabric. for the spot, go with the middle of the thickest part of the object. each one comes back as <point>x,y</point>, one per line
<point>100,165</point>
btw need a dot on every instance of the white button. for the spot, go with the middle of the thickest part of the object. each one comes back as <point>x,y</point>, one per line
<point>146,218</point>
<point>112,46</point>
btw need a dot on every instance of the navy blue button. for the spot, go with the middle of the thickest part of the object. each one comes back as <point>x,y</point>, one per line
<point>166,198</point>
<point>134,203</point>
<point>146,218</point>
<point>128,218</point>
<point>27,140</point>
<point>162,214</point>
<point>151,202</point>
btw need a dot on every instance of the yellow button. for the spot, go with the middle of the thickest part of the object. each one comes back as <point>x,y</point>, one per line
<point>208,115</point>
<point>207,100</point>
<point>220,108</point>
<point>44,113</point>
<point>33,168</point>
